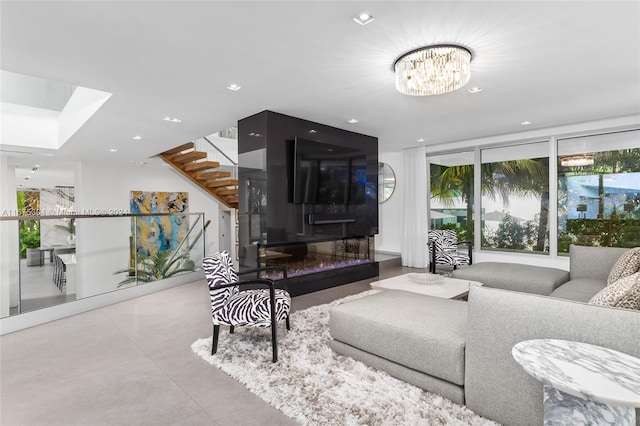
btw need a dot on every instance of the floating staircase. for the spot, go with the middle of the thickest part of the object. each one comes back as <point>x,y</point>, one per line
<point>195,166</point>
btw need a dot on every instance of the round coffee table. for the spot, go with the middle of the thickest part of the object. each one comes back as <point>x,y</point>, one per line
<point>583,383</point>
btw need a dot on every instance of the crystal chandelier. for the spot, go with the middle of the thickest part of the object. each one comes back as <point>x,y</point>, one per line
<point>433,70</point>
<point>65,199</point>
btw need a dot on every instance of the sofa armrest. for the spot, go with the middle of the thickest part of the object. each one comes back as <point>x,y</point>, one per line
<point>495,385</point>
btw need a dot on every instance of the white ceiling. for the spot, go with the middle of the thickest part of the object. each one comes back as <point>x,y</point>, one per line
<point>551,63</point>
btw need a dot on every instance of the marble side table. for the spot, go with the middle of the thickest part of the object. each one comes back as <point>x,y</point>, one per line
<point>583,383</point>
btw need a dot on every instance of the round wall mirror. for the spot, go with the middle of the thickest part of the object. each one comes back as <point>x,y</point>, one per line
<point>386,182</point>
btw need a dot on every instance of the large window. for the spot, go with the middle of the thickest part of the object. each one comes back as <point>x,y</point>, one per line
<point>599,190</point>
<point>515,198</point>
<point>597,193</point>
<point>451,182</point>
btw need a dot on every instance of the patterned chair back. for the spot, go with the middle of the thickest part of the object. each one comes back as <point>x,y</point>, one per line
<point>445,240</point>
<point>219,270</point>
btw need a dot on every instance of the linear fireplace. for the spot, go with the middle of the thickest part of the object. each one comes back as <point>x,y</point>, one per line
<point>313,267</point>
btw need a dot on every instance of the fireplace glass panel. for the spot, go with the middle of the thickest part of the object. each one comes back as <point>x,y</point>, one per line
<point>304,259</point>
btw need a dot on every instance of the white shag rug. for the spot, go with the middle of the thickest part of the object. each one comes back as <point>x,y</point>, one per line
<point>316,386</point>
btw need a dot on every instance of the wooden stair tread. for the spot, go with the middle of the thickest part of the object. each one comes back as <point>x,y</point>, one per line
<point>188,157</point>
<point>212,175</point>
<point>193,165</point>
<point>227,191</point>
<point>178,149</point>
<point>223,182</point>
<point>197,166</point>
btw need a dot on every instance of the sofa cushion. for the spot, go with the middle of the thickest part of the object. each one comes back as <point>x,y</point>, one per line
<point>593,262</point>
<point>579,290</point>
<point>420,332</point>
<point>624,293</point>
<point>514,276</point>
<point>627,264</point>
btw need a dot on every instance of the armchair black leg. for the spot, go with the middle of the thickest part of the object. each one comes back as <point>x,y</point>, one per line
<point>432,263</point>
<point>214,344</point>
<point>274,328</point>
<point>287,321</point>
<point>231,329</point>
<point>274,342</point>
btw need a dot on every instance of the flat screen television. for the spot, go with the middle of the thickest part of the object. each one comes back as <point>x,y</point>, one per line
<point>324,173</point>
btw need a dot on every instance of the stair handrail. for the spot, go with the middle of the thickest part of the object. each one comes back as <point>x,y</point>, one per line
<point>186,237</point>
<point>220,151</point>
<point>197,237</point>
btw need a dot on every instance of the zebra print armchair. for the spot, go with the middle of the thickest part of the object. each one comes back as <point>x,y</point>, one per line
<point>443,250</point>
<point>263,307</point>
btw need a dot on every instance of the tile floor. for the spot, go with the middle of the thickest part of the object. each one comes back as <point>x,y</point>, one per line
<point>131,364</point>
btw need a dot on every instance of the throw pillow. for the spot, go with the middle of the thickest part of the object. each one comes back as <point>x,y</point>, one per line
<point>627,264</point>
<point>624,293</point>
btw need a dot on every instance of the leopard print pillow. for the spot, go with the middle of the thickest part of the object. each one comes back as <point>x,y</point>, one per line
<point>627,264</point>
<point>624,293</point>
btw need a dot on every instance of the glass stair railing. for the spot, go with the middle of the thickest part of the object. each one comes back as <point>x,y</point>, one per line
<point>110,252</point>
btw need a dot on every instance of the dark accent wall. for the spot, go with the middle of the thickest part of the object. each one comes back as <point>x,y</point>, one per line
<point>266,212</point>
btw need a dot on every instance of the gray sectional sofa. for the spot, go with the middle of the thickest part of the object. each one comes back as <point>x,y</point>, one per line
<point>589,269</point>
<point>462,350</point>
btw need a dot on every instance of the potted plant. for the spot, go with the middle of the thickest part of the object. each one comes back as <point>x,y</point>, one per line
<point>163,264</point>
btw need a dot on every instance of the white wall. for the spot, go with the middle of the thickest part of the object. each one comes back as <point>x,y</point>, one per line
<point>390,212</point>
<point>9,250</point>
<point>102,245</point>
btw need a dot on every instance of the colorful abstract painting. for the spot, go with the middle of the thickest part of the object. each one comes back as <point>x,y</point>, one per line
<point>155,234</point>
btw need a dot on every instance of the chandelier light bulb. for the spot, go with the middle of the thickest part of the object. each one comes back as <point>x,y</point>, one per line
<point>433,70</point>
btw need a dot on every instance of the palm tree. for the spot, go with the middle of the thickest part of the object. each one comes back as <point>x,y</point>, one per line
<point>498,180</point>
<point>448,184</point>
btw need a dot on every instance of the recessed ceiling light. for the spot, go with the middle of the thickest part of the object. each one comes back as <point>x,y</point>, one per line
<point>172,119</point>
<point>420,140</point>
<point>353,120</point>
<point>363,18</point>
<point>165,164</point>
<point>525,123</point>
<point>137,138</point>
<point>27,178</point>
<point>113,150</point>
<point>233,87</point>
<point>22,184</point>
<point>475,90</point>
<point>313,131</point>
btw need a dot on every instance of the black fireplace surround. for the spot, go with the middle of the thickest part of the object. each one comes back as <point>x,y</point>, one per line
<point>284,228</point>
